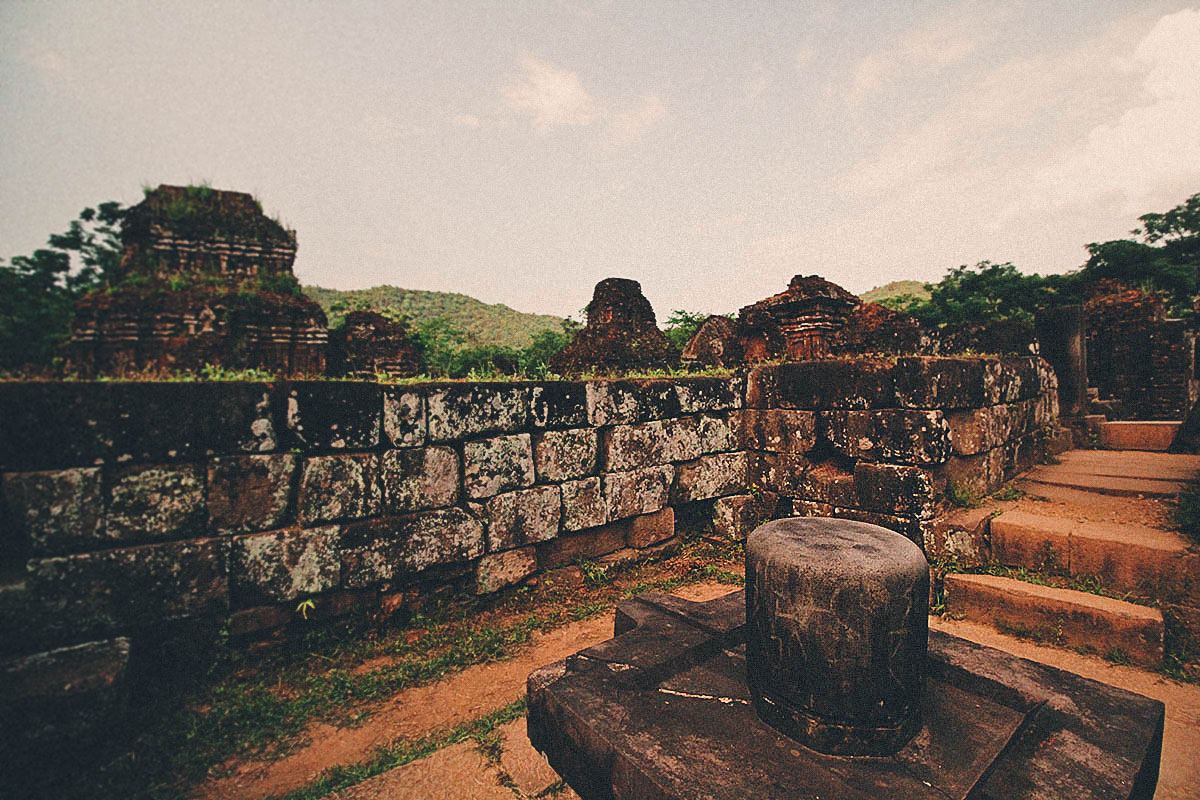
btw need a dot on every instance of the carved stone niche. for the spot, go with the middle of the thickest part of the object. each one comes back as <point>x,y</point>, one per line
<point>808,317</point>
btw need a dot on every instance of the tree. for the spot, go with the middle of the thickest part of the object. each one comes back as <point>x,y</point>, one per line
<point>38,291</point>
<point>437,340</point>
<point>682,326</point>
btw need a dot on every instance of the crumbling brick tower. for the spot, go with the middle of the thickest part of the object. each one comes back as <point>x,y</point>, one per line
<point>205,279</point>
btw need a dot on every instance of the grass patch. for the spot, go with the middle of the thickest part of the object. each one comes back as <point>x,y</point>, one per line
<point>482,730</point>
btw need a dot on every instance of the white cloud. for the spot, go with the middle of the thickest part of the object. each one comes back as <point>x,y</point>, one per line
<point>550,95</point>
<point>379,128</point>
<point>868,77</point>
<point>758,80</point>
<point>1150,150</point>
<point>804,56</point>
<point>630,123</point>
<point>466,121</point>
<point>46,60</point>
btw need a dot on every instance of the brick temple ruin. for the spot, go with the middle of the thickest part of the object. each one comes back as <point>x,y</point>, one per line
<point>621,334</point>
<point>205,279</point>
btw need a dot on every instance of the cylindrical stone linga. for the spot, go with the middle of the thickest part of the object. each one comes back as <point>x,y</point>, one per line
<point>836,633</point>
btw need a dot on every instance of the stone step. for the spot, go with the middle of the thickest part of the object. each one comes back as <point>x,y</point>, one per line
<point>1138,435</point>
<point>1125,558</point>
<point>1109,627</point>
<point>1132,464</point>
<point>1100,484</point>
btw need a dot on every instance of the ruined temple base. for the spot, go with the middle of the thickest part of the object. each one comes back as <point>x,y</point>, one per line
<point>663,710</point>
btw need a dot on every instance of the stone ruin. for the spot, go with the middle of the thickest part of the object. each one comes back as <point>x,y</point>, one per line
<point>821,679</point>
<point>1141,364</point>
<point>370,344</point>
<point>621,334</point>
<point>813,318</point>
<point>205,279</point>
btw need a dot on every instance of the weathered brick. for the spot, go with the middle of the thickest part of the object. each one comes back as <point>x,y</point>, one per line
<point>286,564</point>
<point>341,415</point>
<point>390,548</point>
<point>583,504</point>
<point>973,430</point>
<point>403,417</point>
<point>903,435</point>
<point>829,483</point>
<point>776,430</point>
<point>815,385</point>
<point>715,433</point>
<point>419,478</point>
<point>650,529</point>
<point>458,411</point>
<point>592,543</point>
<point>946,383</point>
<point>499,464</point>
<point>639,491</point>
<point>894,489</point>
<point>133,586</point>
<point>497,570</point>
<point>630,401</point>
<point>343,487</point>
<point>250,493</point>
<point>779,472</point>
<point>963,478</point>
<point>659,442</point>
<point>710,476</point>
<point>567,454</point>
<point>56,512</point>
<point>523,517</point>
<point>559,404</point>
<point>709,394</point>
<point>156,503</point>
<point>735,516</point>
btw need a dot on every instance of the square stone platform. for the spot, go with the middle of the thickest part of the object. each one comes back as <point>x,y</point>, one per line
<point>662,710</point>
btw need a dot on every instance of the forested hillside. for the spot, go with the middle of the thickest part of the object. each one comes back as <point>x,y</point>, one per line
<point>481,323</point>
<point>896,289</point>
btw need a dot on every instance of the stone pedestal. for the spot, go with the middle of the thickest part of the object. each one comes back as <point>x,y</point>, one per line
<point>836,632</point>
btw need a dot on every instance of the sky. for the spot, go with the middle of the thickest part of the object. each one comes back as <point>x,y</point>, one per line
<point>519,152</point>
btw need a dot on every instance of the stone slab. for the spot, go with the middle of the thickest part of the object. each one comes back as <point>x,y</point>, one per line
<point>662,711</point>
<point>1132,435</point>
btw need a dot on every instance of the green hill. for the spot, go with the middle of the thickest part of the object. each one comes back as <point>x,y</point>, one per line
<point>482,323</point>
<point>896,289</point>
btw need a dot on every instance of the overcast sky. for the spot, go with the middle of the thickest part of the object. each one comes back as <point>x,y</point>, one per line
<point>520,152</point>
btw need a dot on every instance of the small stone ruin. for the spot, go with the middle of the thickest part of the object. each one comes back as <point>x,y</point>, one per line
<point>205,279</point>
<point>714,344</point>
<point>809,315</point>
<point>822,679</point>
<point>621,334</point>
<point>369,344</point>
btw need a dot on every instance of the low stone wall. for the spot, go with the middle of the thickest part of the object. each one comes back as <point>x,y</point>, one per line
<point>131,509</point>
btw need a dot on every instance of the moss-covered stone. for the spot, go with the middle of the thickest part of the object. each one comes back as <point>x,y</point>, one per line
<point>343,487</point>
<point>251,493</point>
<point>55,512</point>
<point>156,503</point>
<point>499,464</point>
<point>283,565</point>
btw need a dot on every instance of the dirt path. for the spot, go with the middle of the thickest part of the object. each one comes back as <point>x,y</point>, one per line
<point>464,696</point>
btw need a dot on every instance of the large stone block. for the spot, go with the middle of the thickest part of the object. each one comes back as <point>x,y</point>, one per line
<point>283,565</point>
<point>134,586</point>
<point>565,454</point>
<point>392,548</point>
<point>559,404</point>
<point>946,383</point>
<point>894,489</point>
<point>650,529</point>
<point>963,478</point>
<point>815,385</point>
<point>250,493</point>
<point>659,442</point>
<point>709,477</point>
<point>903,435</point>
<point>631,401</point>
<point>156,503</point>
<point>827,482</point>
<point>338,415</point>
<point>342,487</point>
<point>420,478</point>
<point>497,570</point>
<point>51,425</point>
<point>499,464</point>
<point>974,430</point>
<point>403,417</point>
<point>709,394</point>
<point>583,504</point>
<point>716,434</point>
<point>523,517</point>
<point>776,430</point>
<point>55,512</point>
<point>592,543</point>
<point>70,697</point>
<point>639,491</point>
<point>462,410</point>
<point>779,472</point>
<point>735,516</point>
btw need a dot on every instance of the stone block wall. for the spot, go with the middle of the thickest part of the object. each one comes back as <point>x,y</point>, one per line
<point>1147,366</point>
<point>134,508</point>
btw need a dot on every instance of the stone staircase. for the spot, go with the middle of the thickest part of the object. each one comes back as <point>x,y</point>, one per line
<point>1078,526</point>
